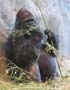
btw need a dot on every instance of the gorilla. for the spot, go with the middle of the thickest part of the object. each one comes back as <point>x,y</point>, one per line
<point>28,52</point>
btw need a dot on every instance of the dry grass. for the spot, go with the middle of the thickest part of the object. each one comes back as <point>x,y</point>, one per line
<point>50,85</point>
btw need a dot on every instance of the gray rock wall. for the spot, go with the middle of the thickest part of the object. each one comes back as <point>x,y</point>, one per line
<point>56,12</point>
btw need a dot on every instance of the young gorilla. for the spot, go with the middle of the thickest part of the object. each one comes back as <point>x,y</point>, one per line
<point>47,65</point>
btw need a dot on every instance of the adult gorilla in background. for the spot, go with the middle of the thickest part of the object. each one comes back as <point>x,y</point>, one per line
<point>27,51</point>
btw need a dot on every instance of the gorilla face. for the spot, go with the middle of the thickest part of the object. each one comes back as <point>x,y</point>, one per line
<point>24,19</point>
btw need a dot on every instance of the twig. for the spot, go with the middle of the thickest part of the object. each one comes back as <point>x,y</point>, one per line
<point>41,10</point>
<point>23,70</point>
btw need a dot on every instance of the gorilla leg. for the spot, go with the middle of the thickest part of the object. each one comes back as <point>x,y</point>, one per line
<point>47,65</point>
